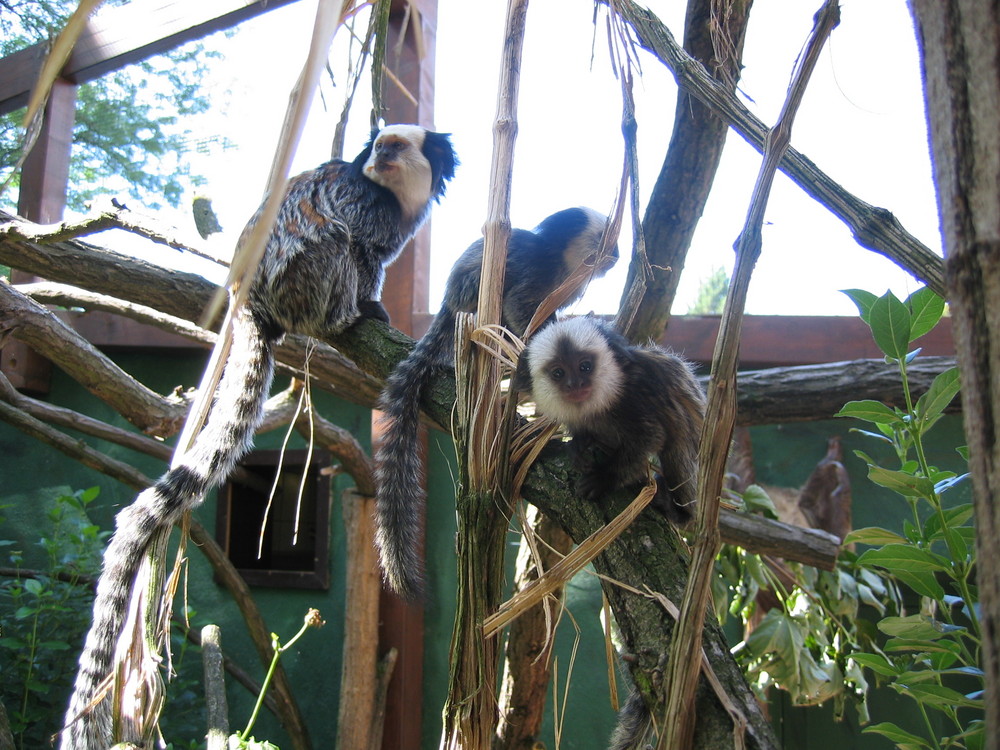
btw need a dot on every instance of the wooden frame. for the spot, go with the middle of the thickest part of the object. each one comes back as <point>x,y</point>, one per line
<point>239,543</point>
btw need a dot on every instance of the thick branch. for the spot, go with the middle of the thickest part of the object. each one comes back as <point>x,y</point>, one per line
<point>685,180</point>
<point>50,293</point>
<point>116,217</point>
<point>811,392</point>
<point>49,336</point>
<point>185,296</point>
<point>874,228</point>
<point>646,557</point>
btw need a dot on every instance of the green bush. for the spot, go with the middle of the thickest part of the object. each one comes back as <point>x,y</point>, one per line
<point>44,615</point>
<point>933,655</point>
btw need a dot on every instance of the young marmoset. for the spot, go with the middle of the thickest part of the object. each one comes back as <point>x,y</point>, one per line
<point>622,404</point>
<point>538,261</point>
<point>339,225</point>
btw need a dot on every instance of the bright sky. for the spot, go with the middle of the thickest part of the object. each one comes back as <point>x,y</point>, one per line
<point>862,122</point>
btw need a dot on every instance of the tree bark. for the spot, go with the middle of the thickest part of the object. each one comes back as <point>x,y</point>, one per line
<point>644,561</point>
<point>960,46</point>
<point>528,653</point>
<point>714,34</point>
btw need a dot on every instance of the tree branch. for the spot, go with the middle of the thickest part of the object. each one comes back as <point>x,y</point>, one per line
<point>874,228</point>
<point>647,556</point>
<point>45,333</point>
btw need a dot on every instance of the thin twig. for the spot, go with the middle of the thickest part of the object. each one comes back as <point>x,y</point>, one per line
<point>683,667</point>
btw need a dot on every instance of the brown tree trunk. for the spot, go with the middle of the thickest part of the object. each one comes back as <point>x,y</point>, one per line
<point>960,45</point>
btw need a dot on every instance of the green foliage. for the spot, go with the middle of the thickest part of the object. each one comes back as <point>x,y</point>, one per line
<point>931,656</point>
<point>129,136</point>
<point>43,616</point>
<point>804,643</point>
<point>711,294</point>
<point>825,630</point>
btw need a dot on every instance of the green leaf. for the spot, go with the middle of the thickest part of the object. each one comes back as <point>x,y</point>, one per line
<point>901,482</point>
<point>902,738</point>
<point>948,484</point>
<point>956,545</point>
<point>869,433</point>
<point>940,696</point>
<point>925,584</point>
<point>906,558</point>
<point>877,663</point>
<point>941,393</point>
<point>755,498</point>
<point>33,586</point>
<point>890,323</point>
<point>777,633</point>
<point>953,518</point>
<point>874,536</point>
<point>916,627</point>
<point>940,646</point>
<point>870,411</point>
<point>862,299</point>
<point>926,309</point>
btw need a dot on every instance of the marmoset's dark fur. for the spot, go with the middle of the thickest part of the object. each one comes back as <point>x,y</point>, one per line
<point>537,263</point>
<point>622,404</point>
<point>339,225</point>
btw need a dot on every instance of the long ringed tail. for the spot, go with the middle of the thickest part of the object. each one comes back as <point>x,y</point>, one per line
<point>400,497</point>
<point>227,435</point>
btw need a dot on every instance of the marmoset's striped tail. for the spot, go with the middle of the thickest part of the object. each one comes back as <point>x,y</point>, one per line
<point>228,434</point>
<point>400,496</point>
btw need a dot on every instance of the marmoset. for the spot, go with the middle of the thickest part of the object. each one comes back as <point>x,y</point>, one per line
<point>621,404</point>
<point>322,270</point>
<point>538,261</point>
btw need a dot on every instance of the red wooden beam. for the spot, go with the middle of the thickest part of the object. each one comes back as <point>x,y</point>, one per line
<point>404,294</point>
<point>124,35</point>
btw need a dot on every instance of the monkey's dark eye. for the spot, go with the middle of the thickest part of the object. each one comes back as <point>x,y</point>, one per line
<point>586,366</point>
<point>557,373</point>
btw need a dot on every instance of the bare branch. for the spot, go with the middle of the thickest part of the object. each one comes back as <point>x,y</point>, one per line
<point>50,293</point>
<point>31,323</point>
<point>118,216</point>
<point>874,228</point>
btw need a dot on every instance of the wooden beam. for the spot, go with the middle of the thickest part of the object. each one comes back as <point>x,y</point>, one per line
<point>406,292</point>
<point>789,340</point>
<point>42,199</point>
<point>124,35</point>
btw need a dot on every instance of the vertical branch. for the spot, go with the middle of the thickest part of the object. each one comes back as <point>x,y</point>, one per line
<point>529,643</point>
<point>470,709</point>
<point>216,708</point>
<point>358,684</point>
<point>685,653</point>
<point>959,55</point>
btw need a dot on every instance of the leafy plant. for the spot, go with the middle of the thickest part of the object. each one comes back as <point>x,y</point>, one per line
<point>43,616</point>
<point>931,656</point>
<point>804,624</point>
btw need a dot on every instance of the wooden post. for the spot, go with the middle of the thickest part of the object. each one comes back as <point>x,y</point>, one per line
<point>41,199</point>
<point>406,292</point>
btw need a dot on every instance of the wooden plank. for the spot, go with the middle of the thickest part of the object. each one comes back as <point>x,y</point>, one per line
<point>788,340</point>
<point>124,35</point>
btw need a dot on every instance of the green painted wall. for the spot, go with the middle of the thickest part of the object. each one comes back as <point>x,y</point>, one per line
<point>784,455</point>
